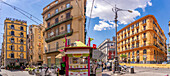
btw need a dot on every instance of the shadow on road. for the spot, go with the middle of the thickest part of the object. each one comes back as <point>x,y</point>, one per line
<point>106,75</point>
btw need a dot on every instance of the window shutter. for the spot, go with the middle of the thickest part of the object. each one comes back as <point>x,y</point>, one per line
<point>10,55</point>
<point>10,46</point>
<point>10,33</point>
<point>9,39</point>
<point>9,26</point>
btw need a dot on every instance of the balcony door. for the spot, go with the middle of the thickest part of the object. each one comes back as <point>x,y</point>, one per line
<point>68,28</point>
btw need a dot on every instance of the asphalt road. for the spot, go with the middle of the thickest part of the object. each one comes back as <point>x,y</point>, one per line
<point>140,71</point>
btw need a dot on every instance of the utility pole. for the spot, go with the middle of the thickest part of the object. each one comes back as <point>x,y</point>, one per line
<point>116,65</point>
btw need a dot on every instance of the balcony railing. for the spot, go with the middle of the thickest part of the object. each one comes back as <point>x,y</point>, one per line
<point>61,35</point>
<point>52,50</point>
<point>65,9</point>
<point>60,22</point>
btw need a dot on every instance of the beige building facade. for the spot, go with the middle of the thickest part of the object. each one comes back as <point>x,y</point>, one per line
<point>35,45</point>
<point>62,18</point>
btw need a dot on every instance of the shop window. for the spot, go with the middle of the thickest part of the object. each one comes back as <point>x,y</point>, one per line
<point>68,41</point>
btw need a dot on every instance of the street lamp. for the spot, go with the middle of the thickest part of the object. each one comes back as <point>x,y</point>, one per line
<point>115,10</point>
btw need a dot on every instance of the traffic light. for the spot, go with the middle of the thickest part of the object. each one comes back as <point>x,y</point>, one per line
<point>62,71</point>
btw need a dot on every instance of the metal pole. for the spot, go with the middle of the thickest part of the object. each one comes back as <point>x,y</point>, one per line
<point>116,57</point>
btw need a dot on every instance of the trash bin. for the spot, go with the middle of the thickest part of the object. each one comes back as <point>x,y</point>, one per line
<point>132,69</point>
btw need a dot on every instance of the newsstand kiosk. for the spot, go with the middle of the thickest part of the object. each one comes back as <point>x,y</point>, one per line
<point>78,59</point>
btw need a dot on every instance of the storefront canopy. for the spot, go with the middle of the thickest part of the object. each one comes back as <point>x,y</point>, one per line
<point>60,55</point>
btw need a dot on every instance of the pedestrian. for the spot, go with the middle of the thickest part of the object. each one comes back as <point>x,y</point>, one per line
<point>46,70</point>
<point>102,66</point>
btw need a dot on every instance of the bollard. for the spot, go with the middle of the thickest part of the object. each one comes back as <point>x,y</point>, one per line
<point>132,69</point>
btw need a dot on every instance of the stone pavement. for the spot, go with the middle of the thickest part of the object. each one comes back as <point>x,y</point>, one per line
<point>139,71</point>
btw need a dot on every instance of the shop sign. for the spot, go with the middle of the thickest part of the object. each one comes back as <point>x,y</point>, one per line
<point>80,72</point>
<point>77,55</point>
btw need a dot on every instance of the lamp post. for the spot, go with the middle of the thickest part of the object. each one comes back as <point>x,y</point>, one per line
<point>115,10</point>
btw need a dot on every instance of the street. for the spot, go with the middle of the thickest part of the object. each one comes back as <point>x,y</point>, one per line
<point>140,71</point>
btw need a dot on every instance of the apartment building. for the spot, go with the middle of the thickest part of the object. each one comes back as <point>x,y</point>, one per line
<point>35,45</point>
<point>15,32</point>
<point>108,48</point>
<point>142,41</point>
<point>62,18</point>
<point>168,45</point>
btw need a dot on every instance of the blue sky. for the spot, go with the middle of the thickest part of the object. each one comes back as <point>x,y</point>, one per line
<point>100,15</point>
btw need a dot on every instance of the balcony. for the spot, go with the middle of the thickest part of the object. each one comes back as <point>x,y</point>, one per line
<point>61,35</point>
<point>53,50</point>
<point>59,12</point>
<point>60,22</point>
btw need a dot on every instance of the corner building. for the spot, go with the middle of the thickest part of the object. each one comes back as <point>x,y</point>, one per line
<point>62,18</point>
<point>15,32</point>
<point>142,41</point>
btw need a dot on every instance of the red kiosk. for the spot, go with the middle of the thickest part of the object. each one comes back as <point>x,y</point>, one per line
<point>78,59</point>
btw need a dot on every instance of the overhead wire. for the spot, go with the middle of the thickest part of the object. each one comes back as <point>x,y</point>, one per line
<point>119,11</point>
<point>23,12</point>
<point>90,14</point>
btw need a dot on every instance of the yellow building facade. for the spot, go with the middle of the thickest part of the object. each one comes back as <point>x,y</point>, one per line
<point>15,32</point>
<point>62,18</point>
<point>142,41</point>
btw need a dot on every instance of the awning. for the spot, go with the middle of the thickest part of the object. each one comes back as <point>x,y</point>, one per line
<point>60,55</point>
<point>77,52</point>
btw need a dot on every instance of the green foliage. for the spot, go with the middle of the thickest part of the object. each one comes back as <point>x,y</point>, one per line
<point>123,56</point>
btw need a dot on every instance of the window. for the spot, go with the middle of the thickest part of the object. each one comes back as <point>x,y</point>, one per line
<point>128,28</point>
<point>48,7</point>
<point>12,40</point>
<point>39,56</point>
<point>57,33</point>
<point>31,56</point>
<point>21,41</point>
<point>144,51</point>
<point>132,27</point>
<point>12,26</point>
<point>144,21</point>
<point>137,24</point>
<point>67,15</point>
<point>21,48</point>
<point>68,28</point>
<point>48,47</point>
<point>61,28</point>
<point>137,52</point>
<point>12,47</point>
<point>56,11</point>
<point>137,30</point>
<point>144,27</point>
<point>12,33</point>
<point>21,55</point>
<point>68,42</point>
<point>56,20</point>
<point>21,28</point>
<point>68,5</point>
<point>12,55</point>
<point>49,15</point>
<point>21,34</point>
<point>56,2</point>
<point>57,47</point>
<point>133,53</point>
<point>48,24</point>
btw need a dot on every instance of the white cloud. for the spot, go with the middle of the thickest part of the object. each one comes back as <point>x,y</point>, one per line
<point>104,11</point>
<point>103,26</point>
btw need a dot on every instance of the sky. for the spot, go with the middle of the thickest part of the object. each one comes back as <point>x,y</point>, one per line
<point>101,25</point>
